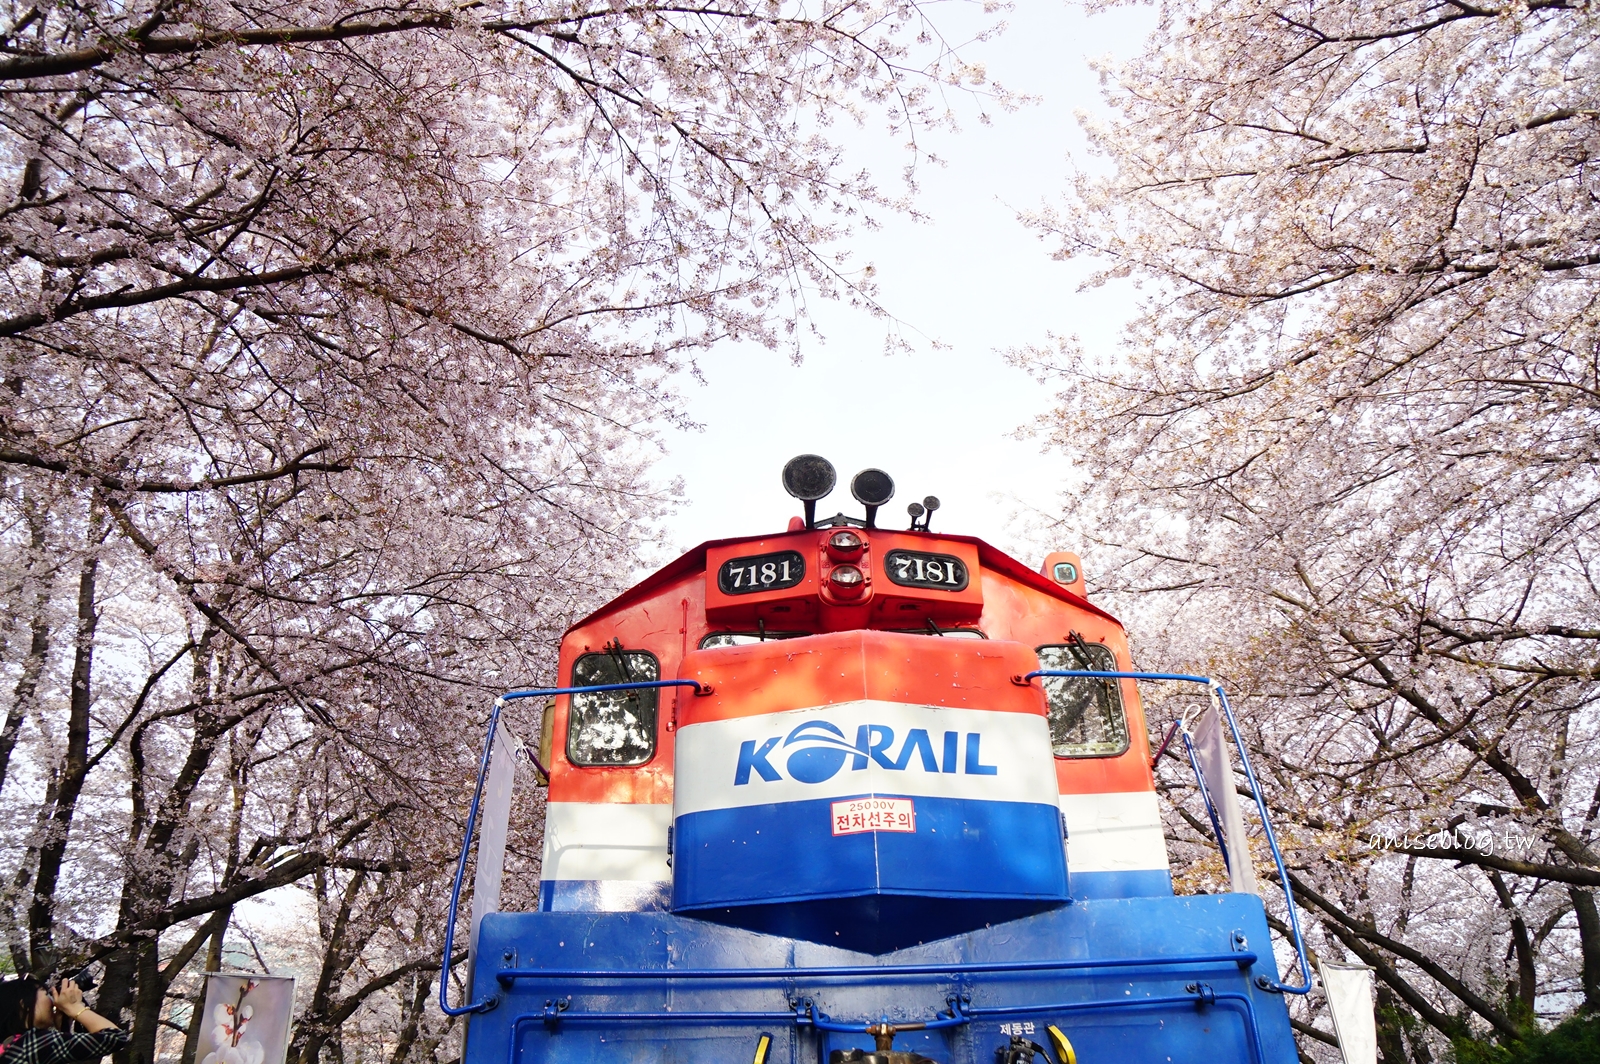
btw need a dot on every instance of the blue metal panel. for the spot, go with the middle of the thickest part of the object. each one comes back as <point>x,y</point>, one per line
<point>779,868</point>
<point>1129,980</point>
<point>582,895</point>
<point>594,896</point>
<point>787,851</point>
<point>1144,883</point>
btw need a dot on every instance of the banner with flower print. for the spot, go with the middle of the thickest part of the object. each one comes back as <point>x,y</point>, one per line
<point>246,1019</point>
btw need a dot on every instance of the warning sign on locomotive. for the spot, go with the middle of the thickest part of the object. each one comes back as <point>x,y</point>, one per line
<point>874,814</point>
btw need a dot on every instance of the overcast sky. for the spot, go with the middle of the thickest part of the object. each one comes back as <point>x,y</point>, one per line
<point>940,421</point>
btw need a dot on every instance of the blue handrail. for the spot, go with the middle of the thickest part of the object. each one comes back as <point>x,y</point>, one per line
<point>699,688</point>
<point>960,1014</point>
<point>472,819</point>
<point>1243,958</point>
<point>1207,997</point>
<point>1255,792</point>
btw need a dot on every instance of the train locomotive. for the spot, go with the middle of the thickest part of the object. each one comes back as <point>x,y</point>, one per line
<point>855,794</point>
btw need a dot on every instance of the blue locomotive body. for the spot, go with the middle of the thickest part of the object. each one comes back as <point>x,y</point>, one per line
<point>1169,979</point>
<point>853,795</point>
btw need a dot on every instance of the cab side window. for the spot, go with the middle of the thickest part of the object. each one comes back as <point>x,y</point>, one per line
<point>613,727</point>
<point>744,639</point>
<point>1086,717</point>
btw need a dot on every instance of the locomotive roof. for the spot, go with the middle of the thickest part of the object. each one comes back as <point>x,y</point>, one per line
<point>695,561</point>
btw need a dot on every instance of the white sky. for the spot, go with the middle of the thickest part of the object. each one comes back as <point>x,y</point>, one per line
<point>940,421</point>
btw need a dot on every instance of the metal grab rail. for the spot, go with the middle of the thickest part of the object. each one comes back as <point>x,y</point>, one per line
<point>1243,958</point>
<point>1255,793</point>
<point>803,1014</point>
<point>1202,995</point>
<point>472,819</point>
<point>961,1014</point>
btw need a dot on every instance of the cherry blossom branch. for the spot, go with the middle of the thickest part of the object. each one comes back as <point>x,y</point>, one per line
<point>1369,934</point>
<point>129,297</point>
<point>111,482</point>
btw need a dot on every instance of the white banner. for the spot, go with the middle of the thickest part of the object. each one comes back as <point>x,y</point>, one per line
<point>246,1019</point>
<point>1211,750</point>
<point>1349,988</point>
<point>494,816</point>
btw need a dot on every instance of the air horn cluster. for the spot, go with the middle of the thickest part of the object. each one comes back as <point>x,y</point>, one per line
<point>810,477</point>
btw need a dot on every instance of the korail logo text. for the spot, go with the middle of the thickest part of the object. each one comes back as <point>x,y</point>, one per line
<point>816,751</point>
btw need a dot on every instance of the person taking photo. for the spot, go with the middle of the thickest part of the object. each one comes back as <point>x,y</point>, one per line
<point>28,1025</point>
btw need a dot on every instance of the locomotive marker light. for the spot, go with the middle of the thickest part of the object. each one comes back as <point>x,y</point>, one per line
<point>809,477</point>
<point>847,580</point>
<point>872,488</point>
<point>845,544</point>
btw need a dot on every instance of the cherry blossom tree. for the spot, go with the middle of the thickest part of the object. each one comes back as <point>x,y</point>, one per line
<point>333,342</point>
<point>1345,458</point>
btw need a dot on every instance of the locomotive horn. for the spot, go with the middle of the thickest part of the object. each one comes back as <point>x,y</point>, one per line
<point>872,488</point>
<point>809,477</point>
<point>932,503</point>
<point>915,510</point>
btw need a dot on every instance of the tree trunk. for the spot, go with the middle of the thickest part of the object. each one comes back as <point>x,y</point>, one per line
<point>147,1004</point>
<point>314,1026</point>
<point>1589,937</point>
<point>27,686</point>
<point>74,764</point>
<point>1391,1034</point>
<point>1525,986</point>
<point>417,1003</point>
<point>197,1020</point>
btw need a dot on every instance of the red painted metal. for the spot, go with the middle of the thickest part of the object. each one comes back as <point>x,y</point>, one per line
<point>670,612</point>
<point>837,667</point>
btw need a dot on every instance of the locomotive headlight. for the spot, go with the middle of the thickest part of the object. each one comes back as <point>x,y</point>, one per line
<point>845,544</point>
<point>847,580</point>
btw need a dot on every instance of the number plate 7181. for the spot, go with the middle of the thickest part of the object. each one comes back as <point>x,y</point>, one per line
<point>761,572</point>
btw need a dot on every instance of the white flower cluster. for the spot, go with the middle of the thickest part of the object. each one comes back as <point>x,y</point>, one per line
<point>226,1035</point>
